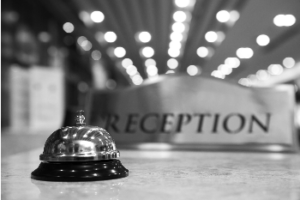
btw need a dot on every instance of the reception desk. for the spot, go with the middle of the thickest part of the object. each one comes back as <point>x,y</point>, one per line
<point>166,175</point>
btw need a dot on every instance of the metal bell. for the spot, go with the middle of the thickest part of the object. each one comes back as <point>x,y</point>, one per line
<point>79,153</point>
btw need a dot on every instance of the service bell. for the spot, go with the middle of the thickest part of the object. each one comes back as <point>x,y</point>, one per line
<point>79,153</point>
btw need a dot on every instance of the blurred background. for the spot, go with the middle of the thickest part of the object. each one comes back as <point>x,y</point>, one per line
<point>54,52</point>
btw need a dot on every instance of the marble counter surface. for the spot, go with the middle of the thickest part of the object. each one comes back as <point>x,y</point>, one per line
<point>167,175</point>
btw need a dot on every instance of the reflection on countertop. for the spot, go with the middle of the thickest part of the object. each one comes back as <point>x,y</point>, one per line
<point>77,190</point>
<point>167,175</point>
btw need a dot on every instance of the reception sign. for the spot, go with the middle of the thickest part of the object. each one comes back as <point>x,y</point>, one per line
<point>197,112</point>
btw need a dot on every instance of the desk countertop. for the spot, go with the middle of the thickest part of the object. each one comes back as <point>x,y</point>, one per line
<point>167,175</point>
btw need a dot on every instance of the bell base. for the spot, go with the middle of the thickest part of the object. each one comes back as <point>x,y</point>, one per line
<point>80,171</point>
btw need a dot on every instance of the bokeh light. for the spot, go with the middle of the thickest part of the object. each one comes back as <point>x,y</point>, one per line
<point>110,37</point>
<point>144,37</point>
<point>221,36</point>
<point>225,69</point>
<point>182,3</point>
<point>126,62</point>
<point>262,75</point>
<point>81,39</point>
<point>97,16</point>
<point>192,70</point>
<point>119,52</point>
<point>170,71</point>
<point>244,53</point>
<point>152,70</point>
<point>172,63</point>
<point>176,36</point>
<point>289,62</point>
<point>232,62</point>
<point>234,16</point>
<point>202,52</point>
<point>223,16</point>
<point>284,20</point>
<point>244,82</point>
<point>178,27</point>
<point>131,70</point>
<point>149,62</point>
<point>179,16</point>
<point>96,55</point>
<point>175,45</point>
<point>84,43</point>
<point>173,52</point>
<point>275,69</point>
<point>211,36</point>
<point>218,74</point>
<point>263,40</point>
<point>148,52</point>
<point>68,27</point>
<point>137,79</point>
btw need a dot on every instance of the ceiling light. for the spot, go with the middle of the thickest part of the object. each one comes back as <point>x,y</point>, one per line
<point>96,55</point>
<point>144,37</point>
<point>192,70</point>
<point>218,74</point>
<point>252,78</point>
<point>126,62</point>
<point>244,53</point>
<point>172,63</point>
<point>68,27</point>
<point>84,43</point>
<point>81,39</point>
<point>244,81</point>
<point>221,36</point>
<point>10,16</point>
<point>131,70</point>
<point>182,3</point>
<point>110,52</point>
<point>205,52</point>
<point>152,70</point>
<point>179,16</point>
<point>275,69</point>
<point>173,52</point>
<point>263,40</point>
<point>97,16</point>
<point>225,69</point>
<point>279,20</point>
<point>170,72</point>
<point>289,62</point>
<point>211,36</point>
<point>178,27</point>
<point>202,52</point>
<point>284,20</point>
<point>223,16</point>
<point>119,52</point>
<point>176,36</point>
<point>85,18</point>
<point>44,37</point>
<point>290,20</point>
<point>147,52</point>
<point>99,37</point>
<point>149,62</point>
<point>110,37</point>
<point>234,16</point>
<point>137,79</point>
<point>262,75</point>
<point>175,45</point>
<point>232,62</point>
